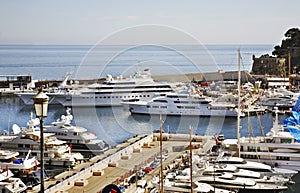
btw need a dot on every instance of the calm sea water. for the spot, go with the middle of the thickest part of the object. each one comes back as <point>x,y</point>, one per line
<point>53,61</point>
<point>115,125</point>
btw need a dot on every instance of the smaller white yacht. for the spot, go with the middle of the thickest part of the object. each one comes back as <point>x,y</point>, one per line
<point>278,148</point>
<point>27,169</point>
<point>55,94</point>
<point>229,181</point>
<point>57,152</point>
<point>11,160</point>
<point>10,184</point>
<point>255,166</point>
<point>78,137</point>
<point>183,104</point>
<point>173,186</point>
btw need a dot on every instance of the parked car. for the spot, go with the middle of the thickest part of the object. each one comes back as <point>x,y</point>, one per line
<point>132,179</point>
<point>122,188</point>
<point>147,170</point>
<point>153,165</point>
<point>140,174</point>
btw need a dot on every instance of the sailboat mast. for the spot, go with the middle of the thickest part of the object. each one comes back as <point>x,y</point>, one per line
<point>191,159</point>
<point>239,105</point>
<point>161,154</point>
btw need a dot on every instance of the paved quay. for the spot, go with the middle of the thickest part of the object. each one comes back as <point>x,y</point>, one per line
<point>121,161</point>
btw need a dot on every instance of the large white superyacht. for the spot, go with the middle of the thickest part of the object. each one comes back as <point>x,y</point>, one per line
<point>113,91</point>
<point>183,104</point>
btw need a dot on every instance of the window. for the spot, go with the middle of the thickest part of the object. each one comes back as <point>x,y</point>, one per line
<point>253,148</point>
<point>286,140</point>
<point>282,158</point>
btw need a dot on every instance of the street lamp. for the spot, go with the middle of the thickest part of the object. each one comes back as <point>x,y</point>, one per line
<point>41,108</point>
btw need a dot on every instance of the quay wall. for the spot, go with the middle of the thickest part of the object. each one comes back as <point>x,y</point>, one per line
<point>99,166</point>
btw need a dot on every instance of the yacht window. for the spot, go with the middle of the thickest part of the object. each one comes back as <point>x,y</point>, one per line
<point>20,145</point>
<point>285,140</point>
<point>182,102</point>
<point>253,148</point>
<point>27,145</point>
<point>282,158</point>
<point>163,107</point>
<point>160,101</point>
<point>190,107</point>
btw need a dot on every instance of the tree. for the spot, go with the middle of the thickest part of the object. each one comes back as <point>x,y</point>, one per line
<point>292,40</point>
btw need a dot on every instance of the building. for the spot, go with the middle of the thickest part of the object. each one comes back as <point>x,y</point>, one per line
<point>14,82</point>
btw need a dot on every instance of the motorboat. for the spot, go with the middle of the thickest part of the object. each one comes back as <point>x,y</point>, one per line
<point>241,163</point>
<point>56,94</point>
<point>229,181</point>
<point>11,160</point>
<point>78,137</point>
<point>183,104</point>
<point>279,148</point>
<point>27,169</point>
<point>199,187</point>
<point>10,184</point>
<point>57,152</point>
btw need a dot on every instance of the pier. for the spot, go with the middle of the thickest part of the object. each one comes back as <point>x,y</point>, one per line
<point>120,162</point>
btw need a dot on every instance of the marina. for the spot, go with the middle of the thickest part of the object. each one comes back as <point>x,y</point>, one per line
<point>119,147</point>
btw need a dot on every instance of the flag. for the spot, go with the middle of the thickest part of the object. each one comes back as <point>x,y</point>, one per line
<point>6,169</point>
<point>70,149</point>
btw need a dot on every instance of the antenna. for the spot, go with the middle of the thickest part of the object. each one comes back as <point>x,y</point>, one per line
<point>239,104</point>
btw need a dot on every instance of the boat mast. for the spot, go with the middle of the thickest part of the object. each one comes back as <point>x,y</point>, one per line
<point>239,105</point>
<point>161,164</point>
<point>191,160</point>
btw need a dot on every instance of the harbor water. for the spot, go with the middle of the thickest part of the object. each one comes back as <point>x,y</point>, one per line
<point>114,125</point>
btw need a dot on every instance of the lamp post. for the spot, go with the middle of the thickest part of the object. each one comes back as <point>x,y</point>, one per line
<point>41,108</point>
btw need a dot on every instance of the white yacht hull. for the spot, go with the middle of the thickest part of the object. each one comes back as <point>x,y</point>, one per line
<point>140,108</point>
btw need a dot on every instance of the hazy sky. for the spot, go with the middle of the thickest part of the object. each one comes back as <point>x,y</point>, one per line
<point>89,21</point>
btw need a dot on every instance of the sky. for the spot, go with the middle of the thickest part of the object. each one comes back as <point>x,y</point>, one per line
<point>91,21</point>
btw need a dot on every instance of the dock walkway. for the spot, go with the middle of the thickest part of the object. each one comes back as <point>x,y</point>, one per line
<point>120,162</point>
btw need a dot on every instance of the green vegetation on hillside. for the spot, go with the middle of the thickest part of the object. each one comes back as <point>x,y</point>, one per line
<point>292,40</point>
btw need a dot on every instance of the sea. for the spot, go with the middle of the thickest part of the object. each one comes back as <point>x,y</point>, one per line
<point>115,124</point>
